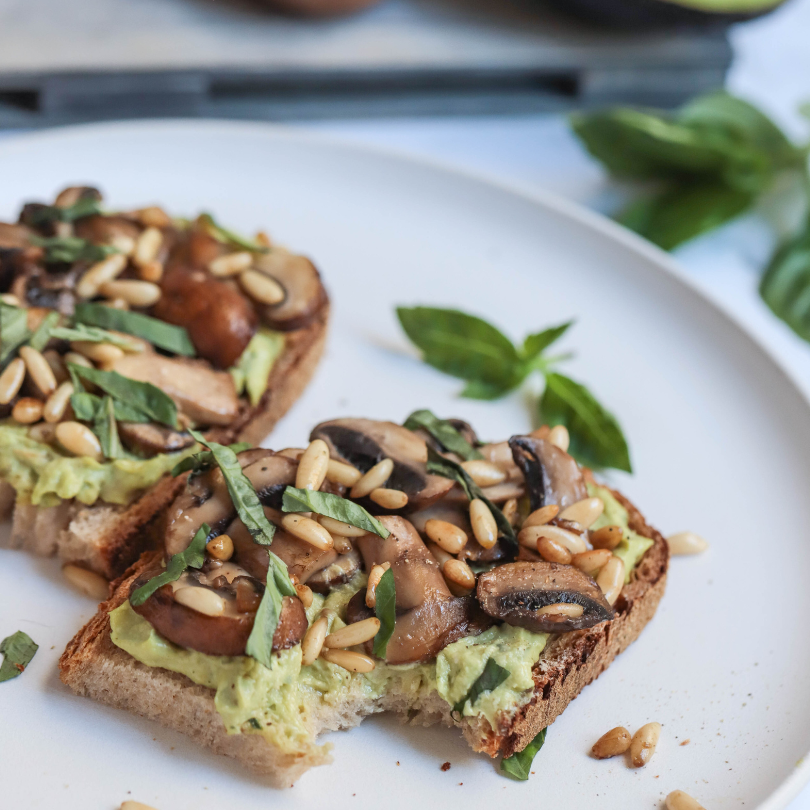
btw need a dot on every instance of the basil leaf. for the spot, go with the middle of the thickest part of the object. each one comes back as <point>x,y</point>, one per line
<point>439,465</point>
<point>13,331</point>
<point>534,345</point>
<point>475,389</point>
<point>444,433</point>
<point>18,649</point>
<point>106,429</point>
<point>70,249</point>
<point>785,287</point>
<point>252,369</point>
<point>385,609</point>
<point>204,461</point>
<point>141,396</point>
<point>192,557</point>
<point>491,678</point>
<point>92,334</point>
<point>164,335</point>
<point>596,438</point>
<point>463,346</point>
<point>242,492</point>
<point>333,506</point>
<point>230,237</point>
<point>39,340</point>
<point>86,408</point>
<point>519,765</point>
<point>84,207</point>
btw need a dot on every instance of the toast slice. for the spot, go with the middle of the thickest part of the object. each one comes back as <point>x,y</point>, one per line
<point>94,667</point>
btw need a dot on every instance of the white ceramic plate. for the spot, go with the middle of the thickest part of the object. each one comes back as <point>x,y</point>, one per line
<point>720,442</point>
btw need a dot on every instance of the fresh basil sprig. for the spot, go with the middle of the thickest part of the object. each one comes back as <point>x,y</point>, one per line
<point>88,407</point>
<point>164,335</point>
<point>192,557</point>
<point>385,609</point>
<point>106,428</point>
<point>84,207</point>
<point>70,249</point>
<point>230,237</point>
<point>13,331</point>
<point>43,333</point>
<point>443,432</point>
<point>203,461</point>
<point>18,649</point>
<point>333,506</point>
<point>92,334</point>
<point>491,678</point>
<point>518,766</point>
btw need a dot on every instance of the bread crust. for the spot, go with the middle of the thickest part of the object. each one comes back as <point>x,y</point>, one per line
<point>94,667</point>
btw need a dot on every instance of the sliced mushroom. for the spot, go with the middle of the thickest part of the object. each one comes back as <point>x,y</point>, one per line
<point>103,230</point>
<point>206,396</point>
<point>552,476</point>
<point>365,442</point>
<point>515,592</point>
<point>14,236</point>
<point>337,573</point>
<point>149,439</point>
<point>304,295</point>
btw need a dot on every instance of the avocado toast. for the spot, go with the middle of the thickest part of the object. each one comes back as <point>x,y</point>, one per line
<point>118,331</point>
<point>384,568</point>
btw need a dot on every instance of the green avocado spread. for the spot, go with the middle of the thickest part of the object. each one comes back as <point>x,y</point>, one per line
<point>279,702</point>
<point>43,476</point>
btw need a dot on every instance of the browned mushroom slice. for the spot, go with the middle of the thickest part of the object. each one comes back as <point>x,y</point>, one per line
<point>341,571</point>
<point>206,396</point>
<point>365,442</point>
<point>113,230</point>
<point>304,295</point>
<point>14,236</point>
<point>516,592</point>
<point>149,439</point>
<point>552,476</point>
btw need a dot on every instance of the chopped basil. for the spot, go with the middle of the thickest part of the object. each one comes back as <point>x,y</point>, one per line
<point>165,336</point>
<point>106,428</point>
<point>443,432</point>
<point>519,765</point>
<point>18,649</point>
<point>84,207</point>
<point>254,723</point>
<point>92,334</point>
<point>203,461</point>
<point>491,678</point>
<point>144,397</point>
<point>44,332</point>
<point>439,465</point>
<point>385,608</point>
<point>192,557</point>
<point>70,249</point>
<point>230,237</point>
<point>252,370</point>
<point>333,506</point>
<point>87,408</point>
<point>13,330</point>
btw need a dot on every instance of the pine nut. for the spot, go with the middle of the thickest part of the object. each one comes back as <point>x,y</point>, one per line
<point>77,359</point>
<point>104,353</point>
<point>263,239</point>
<point>27,410</point>
<point>459,573</point>
<point>680,543</point>
<point>230,264</point>
<point>105,270</point>
<point>614,742</point>
<point>88,582</point>
<point>448,536</point>
<point>374,478</point>
<point>530,537</point>
<point>115,303</point>
<point>389,498</point>
<point>439,553</point>
<point>607,537</point>
<point>483,523</point>
<point>510,510</point>
<point>57,402</point>
<point>132,805</point>
<point>340,528</point>
<point>541,516</point>
<point>342,545</point>
<point>135,292</point>
<point>348,659</point>
<point>642,746</point>
<point>353,634</point>
<point>123,243</point>
<point>541,432</point>
<point>308,530</point>
<point>154,217</point>
<point>262,288</point>
<point>484,473</point>
<point>151,271</point>
<point>374,577</point>
<point>78,439</point>
<point>220,548</point>
<point>562,609</point>
<point>591,562</point>
<point>294,453</point>
<point>202,600</point>
<point>39,370</point>
<point>339,473</point>
<point>304,594</point>
<point>147,246</point>
<point>11,300</point>
<point>678,800</point>
<point>558,435</point>
<point>584,512</point>
<point>611,579</point>
<point>312,466</point>
<point>312,644</point>
<point>552,551</point>
<point>42,432</point>
<point>11,380</point>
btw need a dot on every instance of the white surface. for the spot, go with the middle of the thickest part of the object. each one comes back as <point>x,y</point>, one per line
<point>720,440</point>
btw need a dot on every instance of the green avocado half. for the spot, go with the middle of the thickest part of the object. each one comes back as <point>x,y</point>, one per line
<point>659,13</point>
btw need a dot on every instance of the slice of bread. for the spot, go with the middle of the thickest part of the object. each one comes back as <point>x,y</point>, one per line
<point>107,538</point>
<point>94,667</point>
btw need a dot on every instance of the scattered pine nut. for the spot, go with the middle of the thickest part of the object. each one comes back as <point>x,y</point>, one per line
<point>230,264</point>
<point>39,370</point>
<point>591,562</point>
<point>202,600</point>
<point>572,541</point>
<point>374,577</point>
<point>389,498</point>
<point>562,609</point>
<point>642,746</point>
<point>607,537</point>
<point>339,473</point>
<point>459,573</point>
<point>348,659</point>
<point>483,523</point>
<point>678,800</point>
<point>88,582</point>
<point>447,535</point>
<point>27,410</point>
<point>552,551</point>
<point>11,380</point>
<point>484,473</point>
<point>584,512</point>
<point>558,435</point>
<point>312,466</point>
<point>611,579</point>
<point>220,547</point>
<point>338,527</point>
<point>304,594</point>
<point>78,439</point>
<point>686,543</point>
<point>312,644</point>
<point>374,478</point>
<point>541,516</point>
<point>614,742</point>
<point>308,530</point>
<point>353,634</point>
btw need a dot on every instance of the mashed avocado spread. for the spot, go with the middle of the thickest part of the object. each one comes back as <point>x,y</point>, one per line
<point>43,476</point>
<point>278,702</point>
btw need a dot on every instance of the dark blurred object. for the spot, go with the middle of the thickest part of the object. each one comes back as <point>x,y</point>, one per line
<point>320,8</point>
<point>651,14</point>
